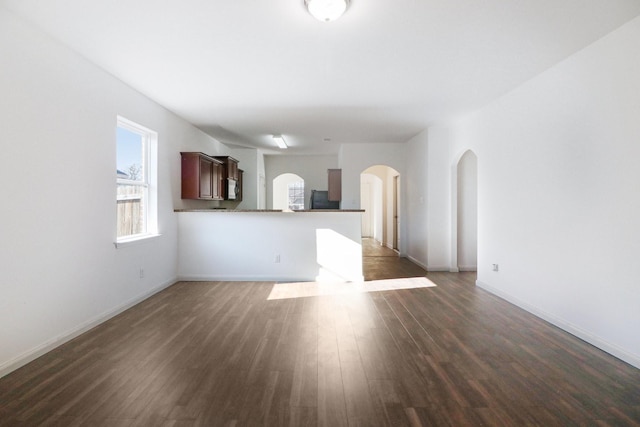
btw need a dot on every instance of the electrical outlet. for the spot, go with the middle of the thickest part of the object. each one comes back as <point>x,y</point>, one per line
<point>277,259</point>
<point>141,272</point>
<point>495,267</point>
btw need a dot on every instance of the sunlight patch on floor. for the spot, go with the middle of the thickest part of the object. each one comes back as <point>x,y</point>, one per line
<point>314,289</point>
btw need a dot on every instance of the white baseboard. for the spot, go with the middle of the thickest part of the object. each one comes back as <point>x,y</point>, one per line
<point>439,268</point>
<point>51,344</point>
<point>283,279</point>
<point>467,268</point>
<point>390,246</point>
<point>214,278</point>
<point>418,263</point>
<point>614,350</point>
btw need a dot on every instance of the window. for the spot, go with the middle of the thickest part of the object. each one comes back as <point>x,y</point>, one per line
<point>288,192</point>
<point>136,181</point>
<point>296,195</point>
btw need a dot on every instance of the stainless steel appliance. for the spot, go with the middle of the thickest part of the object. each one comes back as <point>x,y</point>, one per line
<point>232,189</point>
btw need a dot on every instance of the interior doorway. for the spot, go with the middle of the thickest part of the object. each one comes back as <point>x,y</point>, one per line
<point>371,203</point>
<point>466,219</point>
<point>380,199</point>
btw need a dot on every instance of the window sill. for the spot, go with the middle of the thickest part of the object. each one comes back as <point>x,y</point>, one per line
<point>136,240</point>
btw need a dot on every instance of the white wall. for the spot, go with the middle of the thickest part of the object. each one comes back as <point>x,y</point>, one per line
<point>240,246</point>
<point>313,169</point>
<point>439,181</point>
<point>415,183</point>
<point>261,181</point>
<point>559,192</point>
<point>60,270</point>
<point>428,199</point>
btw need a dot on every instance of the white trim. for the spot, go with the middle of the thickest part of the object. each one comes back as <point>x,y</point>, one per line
<point>418,263</point>
<point>467,268</point>
<point>390,246</point>
<point>135,240</point>
<point>129,197</point>
<point>213,278</point>
<point>432,268</point>
<point>614,350</point>
<point>51,344</point>
<point>132,182</point>
<point>439,268</point>
<point>148,183</point>
<point>123,122</point>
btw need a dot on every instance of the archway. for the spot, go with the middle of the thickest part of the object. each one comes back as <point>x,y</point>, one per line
<point>371,202</point>
<point>380,198</point>
<point>465,213</point>
<point>288,192</point>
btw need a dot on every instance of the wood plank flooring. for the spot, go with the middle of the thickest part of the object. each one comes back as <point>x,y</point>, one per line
<point>223,354</point>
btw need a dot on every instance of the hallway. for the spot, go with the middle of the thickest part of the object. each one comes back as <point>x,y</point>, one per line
<point>380,262</point>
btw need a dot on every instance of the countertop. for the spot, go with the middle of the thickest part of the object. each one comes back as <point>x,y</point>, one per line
<point>330,210</point>
<point>227,210</point>
<point>223,210</point>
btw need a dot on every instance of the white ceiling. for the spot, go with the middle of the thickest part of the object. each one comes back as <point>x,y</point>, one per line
<point>243,70</point>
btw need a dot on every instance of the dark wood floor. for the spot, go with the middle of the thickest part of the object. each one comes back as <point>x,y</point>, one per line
<point>380,262</point>
<point>223,353</point>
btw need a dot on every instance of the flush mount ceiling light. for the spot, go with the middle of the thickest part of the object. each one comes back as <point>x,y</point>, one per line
<point>278,139</point>
<point>326,10</point>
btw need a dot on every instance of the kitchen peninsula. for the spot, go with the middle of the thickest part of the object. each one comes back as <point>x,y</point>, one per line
<point>269,245</point>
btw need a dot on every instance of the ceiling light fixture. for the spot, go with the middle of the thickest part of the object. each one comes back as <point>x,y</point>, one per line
<point>326,10</point>
<point>278,139</point>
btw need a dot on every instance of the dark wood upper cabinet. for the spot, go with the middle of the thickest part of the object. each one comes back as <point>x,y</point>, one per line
<point>218,181</point>
<point>239,193</point>
<point>230,166</point>
<point>231,177</point>
<point>201,176</point>
<point>206,178</point>
<point>335,185</point>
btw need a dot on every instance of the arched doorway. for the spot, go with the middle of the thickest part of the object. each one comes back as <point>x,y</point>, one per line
<point>371,202</point>
<point>288,192</point>
<point>465,236</point>
<point>380,198</point>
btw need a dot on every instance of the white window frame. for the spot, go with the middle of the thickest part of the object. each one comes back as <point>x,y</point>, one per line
<point>295,186</point>
<point>148,183</point>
